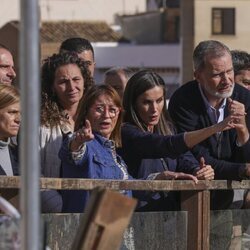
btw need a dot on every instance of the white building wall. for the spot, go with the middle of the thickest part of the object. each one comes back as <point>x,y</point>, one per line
<point>10,10</point>
<point>138,56</point>
<point>203,10</point>
<point>89,9</point>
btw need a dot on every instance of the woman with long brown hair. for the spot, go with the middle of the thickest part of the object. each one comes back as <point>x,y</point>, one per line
<point>65,78</point>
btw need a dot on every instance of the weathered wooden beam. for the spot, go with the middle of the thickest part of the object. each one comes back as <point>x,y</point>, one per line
<point>191,202</point>
<point>197,203</point>
<point>165,185</point>
<point>205,219</point>
<point>106,217</point>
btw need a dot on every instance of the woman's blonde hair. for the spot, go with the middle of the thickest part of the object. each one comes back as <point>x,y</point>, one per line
<point>8,95</point>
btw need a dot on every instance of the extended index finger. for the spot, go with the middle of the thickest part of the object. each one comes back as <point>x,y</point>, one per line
<point>87,124</point>
<point>202,162</point>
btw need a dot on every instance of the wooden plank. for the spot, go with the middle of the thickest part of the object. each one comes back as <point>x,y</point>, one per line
<point>13,182</point>
<point>197,203</point>
<point>191,202</point>
<point>11,195</point>
<point>107,216</point>
<point>205,219</point>
<point>8,193</point>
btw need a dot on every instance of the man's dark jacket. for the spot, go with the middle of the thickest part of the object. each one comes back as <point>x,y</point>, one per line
<point>188,111</point>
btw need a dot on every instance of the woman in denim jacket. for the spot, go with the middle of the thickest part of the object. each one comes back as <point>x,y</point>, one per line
<point>91,151</point>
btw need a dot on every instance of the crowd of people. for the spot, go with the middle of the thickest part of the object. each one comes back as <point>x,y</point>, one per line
<point>123,129</point>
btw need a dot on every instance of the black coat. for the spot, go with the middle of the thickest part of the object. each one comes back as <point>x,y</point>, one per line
<point>188,111</point>
<point>146,153</point>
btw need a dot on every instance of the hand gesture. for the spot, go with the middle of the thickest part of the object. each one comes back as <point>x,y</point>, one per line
<point>226,124</point>
<point>81,136</point>
<point>206,172</point>
<point>237,110</point>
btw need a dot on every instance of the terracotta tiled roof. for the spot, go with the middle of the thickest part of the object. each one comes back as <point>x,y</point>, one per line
<point>93,31</point>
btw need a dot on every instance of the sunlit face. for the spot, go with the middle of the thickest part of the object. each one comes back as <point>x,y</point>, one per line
<point>68,85</point>
<point>88,57</point>
<point>216,77</point>
<point>149,106</point>
<point>9,121</point>
<point>117,81</point>
<point>243,78</point>
<point>103,115</point>
<point>7,72</point>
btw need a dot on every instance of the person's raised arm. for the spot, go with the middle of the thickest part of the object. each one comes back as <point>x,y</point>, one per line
<point>194,137</point>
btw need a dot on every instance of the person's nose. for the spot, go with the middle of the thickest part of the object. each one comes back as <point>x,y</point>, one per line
<point>71,85</point>
<point>106,113</point>
<point>225,77</point>
<point>18,118</point>
<point>11,72</point>
<point>154,107</point>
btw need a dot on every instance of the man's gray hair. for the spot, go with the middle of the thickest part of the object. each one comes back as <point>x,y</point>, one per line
<point>212,48</point>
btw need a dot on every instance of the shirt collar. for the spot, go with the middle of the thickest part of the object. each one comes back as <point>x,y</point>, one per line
<point>104,141</point>
<point>4,144</point>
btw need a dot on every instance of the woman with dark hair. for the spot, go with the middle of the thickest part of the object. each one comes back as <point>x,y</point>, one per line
<point>91,151</point>
<point>149,143</point>
<point>9,127</point>
<point>64,79</point>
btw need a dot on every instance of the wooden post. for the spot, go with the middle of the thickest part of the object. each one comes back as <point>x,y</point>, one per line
<point>197,203</point>
<point>105,220</point>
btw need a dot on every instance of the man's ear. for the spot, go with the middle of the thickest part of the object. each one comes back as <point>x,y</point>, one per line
<point>196,75</point>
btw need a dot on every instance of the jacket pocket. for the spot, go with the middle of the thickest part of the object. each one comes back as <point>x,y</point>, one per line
<point>104,168</point>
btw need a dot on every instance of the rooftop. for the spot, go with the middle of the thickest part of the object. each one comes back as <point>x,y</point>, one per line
<point>94,31</point>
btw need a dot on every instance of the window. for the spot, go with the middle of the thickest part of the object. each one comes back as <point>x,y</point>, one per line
<point>223,21</point>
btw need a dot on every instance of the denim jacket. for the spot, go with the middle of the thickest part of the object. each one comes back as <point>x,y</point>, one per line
<point>97,161</point>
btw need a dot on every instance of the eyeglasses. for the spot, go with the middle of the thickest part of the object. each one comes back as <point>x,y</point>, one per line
<point>112,111</point>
